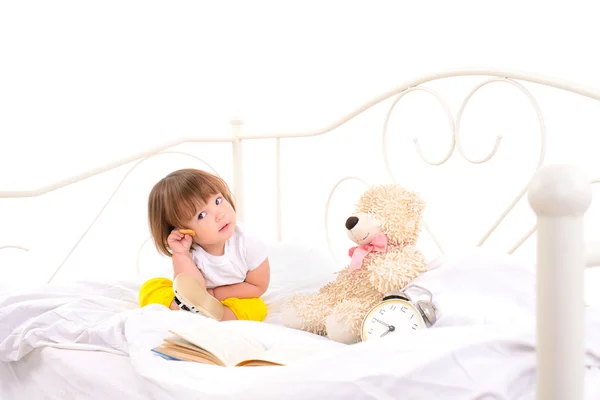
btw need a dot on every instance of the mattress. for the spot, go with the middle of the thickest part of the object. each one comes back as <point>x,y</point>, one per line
<point>90,340</point>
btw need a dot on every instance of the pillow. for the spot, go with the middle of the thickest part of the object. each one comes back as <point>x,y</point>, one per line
<point>480,288</point>
<point>296,269</point>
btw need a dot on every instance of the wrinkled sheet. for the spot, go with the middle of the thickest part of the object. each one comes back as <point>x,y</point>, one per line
<point>91,341</point>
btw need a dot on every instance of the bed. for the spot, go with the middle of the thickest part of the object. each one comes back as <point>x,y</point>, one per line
<point>509,327</point>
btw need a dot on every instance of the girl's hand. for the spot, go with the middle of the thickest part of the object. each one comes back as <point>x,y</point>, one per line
<point>179,243</point>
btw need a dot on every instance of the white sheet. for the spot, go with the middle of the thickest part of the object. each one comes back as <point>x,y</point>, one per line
<point>54,373</point>
<point>450,363</point>
<point>468,353</point>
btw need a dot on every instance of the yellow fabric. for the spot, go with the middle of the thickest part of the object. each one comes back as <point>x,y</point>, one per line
<point>160,291</point>
<point>253,309</point>
<point>157,291</point>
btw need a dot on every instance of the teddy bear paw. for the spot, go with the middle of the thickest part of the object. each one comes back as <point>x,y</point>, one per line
<point>291,319</point>
<point>339,331</point>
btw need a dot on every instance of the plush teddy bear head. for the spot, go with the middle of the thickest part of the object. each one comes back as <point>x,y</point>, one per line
<point>389,209</point>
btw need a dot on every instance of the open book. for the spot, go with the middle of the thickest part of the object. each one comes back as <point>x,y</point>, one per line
<point>217,345</point>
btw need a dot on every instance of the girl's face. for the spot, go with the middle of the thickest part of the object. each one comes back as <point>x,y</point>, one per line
<point>213,222</point>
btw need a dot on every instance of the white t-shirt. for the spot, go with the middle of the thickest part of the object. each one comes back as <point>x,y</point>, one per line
<point>243,253</point>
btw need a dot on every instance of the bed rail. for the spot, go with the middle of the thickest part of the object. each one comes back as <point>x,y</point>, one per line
<point>560,195</point>
<point>238,136</point>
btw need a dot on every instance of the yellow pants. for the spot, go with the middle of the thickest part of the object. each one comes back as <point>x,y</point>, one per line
<point>160,291</point>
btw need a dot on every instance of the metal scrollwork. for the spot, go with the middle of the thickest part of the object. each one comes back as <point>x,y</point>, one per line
<point>457,144</point>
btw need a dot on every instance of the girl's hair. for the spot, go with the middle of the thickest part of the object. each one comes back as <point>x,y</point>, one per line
<point>177,197</point>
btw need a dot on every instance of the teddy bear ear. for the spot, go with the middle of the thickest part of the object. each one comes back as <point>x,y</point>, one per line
<point>417,201</point>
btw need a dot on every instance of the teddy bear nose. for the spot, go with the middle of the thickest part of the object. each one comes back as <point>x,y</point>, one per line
<point>351,222</point>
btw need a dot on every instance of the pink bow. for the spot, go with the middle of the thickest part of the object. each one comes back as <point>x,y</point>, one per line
<point>358,253</point>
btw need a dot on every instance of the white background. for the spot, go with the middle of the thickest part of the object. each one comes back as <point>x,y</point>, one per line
<point>85,83</point>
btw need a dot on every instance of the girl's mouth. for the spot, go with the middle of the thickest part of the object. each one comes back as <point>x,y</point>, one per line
<point>224,227</point>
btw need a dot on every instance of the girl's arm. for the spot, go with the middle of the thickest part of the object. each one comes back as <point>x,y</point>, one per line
<point>183,263</point>
<point>255,285</point>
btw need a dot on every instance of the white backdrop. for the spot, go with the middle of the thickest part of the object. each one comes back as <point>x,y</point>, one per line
<point>82,84</point>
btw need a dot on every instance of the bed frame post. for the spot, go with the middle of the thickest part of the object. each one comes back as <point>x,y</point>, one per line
<point>560,196</point>
<point>237,162</point>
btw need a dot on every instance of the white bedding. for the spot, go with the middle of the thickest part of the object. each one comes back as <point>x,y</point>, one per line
<point>91,341</point>
<point>52,373</point>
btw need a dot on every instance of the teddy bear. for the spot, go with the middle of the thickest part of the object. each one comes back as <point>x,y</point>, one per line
<point>385,226</point>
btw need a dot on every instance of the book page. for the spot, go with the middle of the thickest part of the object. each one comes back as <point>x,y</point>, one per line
<point>178,344</point>
<point>280,355</point>
<point>181,355</point>
<point>227,346</point>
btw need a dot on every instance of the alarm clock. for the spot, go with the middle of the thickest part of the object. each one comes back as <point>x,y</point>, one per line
<point>398,313</point>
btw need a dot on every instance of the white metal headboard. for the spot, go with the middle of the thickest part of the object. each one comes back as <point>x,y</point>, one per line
<point>238,137</point>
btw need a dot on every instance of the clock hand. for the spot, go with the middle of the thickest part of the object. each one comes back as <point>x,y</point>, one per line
<point>381,322</point>
<point>390,328</point>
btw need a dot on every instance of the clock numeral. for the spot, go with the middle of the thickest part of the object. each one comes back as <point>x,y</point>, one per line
<point>382,311</point>
<point>370,331</point>
<point>415,326</point>
<point>392,307</point>
<point>403,309</point>
<point>411,316</point>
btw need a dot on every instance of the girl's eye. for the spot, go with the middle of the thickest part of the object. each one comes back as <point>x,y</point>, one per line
<point>202,215</point>
<point>219,200</point>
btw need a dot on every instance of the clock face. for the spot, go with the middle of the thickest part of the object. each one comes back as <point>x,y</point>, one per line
<point>391,317</point>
